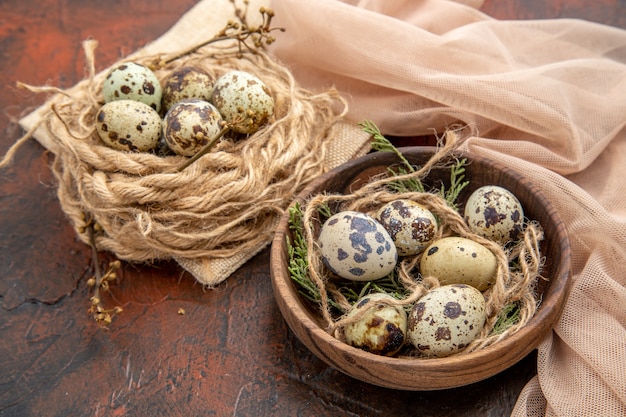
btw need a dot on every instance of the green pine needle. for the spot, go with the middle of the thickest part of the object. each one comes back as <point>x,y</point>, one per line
<point>508,317</point>
<point>382,144</point>
<point>297,250</point>
<point>457,183</point>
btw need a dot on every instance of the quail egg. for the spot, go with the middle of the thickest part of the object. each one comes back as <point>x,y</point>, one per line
<point>132,81</point>
<point>186,83</point>
<point>411,225</point>
<point>446,319</point>
<point>128,125</point>
<point>355,246</point>
<point>457,260</point>
<point>381,330</point>
<point>243,100</point>
<point>494,213</point>
<point>189,125</point>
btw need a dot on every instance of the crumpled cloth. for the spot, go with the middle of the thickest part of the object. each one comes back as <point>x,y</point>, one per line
<point>546,97</point>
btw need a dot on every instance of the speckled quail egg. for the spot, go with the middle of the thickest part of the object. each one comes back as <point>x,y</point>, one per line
<point>494,213</point>
<point>132,81</point>
<point>446,319</point>
<point>457,260</point>
<point>189,125</point>
<point>355,246</point>
<point>382,329</point>
<point>186,83</point>
<point>411,225</point>
<point>243,100</point>
<point>128,125</point>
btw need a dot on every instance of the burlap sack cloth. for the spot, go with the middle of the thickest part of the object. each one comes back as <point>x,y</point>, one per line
<point>547,98</point>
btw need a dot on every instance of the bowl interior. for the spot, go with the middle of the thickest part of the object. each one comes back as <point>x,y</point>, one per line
<point>440,373</point>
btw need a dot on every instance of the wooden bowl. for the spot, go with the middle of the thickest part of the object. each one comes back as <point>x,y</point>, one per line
<point>407,373</point>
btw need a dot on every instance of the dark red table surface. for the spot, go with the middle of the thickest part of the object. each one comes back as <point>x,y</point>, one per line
<point>231,354</point>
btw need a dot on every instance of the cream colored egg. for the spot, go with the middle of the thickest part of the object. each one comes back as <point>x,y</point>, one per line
<point>494,213</point>
<point>381,330</point>
<point>355,246</point>
<point>189,125</point>
<point>446,319</point>
<point>456,260</point>
<point>128,125</point>
<point>243,100</point>
<point>132,81</point>
<point>411,225</point>
<point>186,83</point>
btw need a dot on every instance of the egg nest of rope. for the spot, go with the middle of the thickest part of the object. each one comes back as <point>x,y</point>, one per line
<point>226,203</point>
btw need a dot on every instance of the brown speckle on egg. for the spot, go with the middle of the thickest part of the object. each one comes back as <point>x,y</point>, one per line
<point>148,87</point>
<point>452,310</point>
<point>443,333</point>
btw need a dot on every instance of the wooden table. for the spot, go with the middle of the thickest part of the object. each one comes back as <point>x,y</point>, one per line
<point>230,353</point>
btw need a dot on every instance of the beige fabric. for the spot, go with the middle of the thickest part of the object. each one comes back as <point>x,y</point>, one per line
<point>133,235</point>
<point>547,98</point>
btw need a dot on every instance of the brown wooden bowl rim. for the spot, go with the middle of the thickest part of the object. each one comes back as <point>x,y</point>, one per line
<point>501,354</point>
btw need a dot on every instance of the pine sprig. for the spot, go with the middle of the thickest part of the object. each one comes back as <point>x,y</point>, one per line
<point>410,185</point>
<point>457,183</point>
<point>457,172</point>
<point>297,250</point>
<point>381,144</point>
<point>508,317</point>
<point>298,265</point>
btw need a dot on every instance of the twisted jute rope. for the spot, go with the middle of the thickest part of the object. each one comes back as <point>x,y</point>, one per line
<point>228,201</point>
<point>512,285</point>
